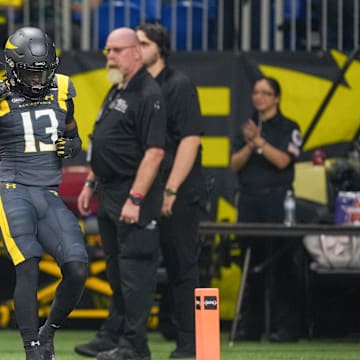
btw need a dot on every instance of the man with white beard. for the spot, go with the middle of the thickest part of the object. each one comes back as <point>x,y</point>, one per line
<point>127,147</point>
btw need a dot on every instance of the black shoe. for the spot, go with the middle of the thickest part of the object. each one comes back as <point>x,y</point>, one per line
<point>113,354</point>
<point>46,339</point>
<point>95,346</point>
<point>247,335</point>
<point>33,353</point>
<point>183,352</point>
<point>283,336</point>
<point>116,354</point>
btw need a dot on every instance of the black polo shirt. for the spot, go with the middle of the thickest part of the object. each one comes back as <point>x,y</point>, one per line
<point>259,173</point>
<point>131,120</point>
<point>183,119</point>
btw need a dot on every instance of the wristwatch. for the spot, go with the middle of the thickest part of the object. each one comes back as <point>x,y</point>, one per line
<point>90,184</point>
<point>136,199</point>
<point>260,149</point>
<point>169,192</point>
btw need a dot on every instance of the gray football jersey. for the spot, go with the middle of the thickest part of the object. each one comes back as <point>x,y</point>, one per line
<point>28,131</point>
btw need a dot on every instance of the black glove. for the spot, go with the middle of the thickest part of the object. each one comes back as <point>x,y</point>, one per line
<point>64,147</point>
<point>69,145</point>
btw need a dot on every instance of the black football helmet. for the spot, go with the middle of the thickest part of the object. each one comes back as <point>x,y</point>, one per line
<point>30,62</point>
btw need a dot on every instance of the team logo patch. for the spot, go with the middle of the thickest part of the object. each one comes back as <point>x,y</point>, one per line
<point>296,138</point>
<point>119,105</point>
<point>17,100</point>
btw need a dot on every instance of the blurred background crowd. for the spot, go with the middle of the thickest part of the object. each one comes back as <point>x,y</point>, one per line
<point>194,24</point>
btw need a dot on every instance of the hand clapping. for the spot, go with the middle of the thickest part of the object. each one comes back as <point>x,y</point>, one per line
<point>250,131</point>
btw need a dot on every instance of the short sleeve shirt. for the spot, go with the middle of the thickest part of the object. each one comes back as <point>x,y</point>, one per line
<point>131,121</point>
<point>259,173</point>
<point>182,107</point>
<point>183,119</point>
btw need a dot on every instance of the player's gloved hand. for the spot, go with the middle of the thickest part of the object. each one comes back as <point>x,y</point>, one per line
<point>64,147</point>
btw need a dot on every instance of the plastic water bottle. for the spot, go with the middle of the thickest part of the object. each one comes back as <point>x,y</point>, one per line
<point>289,209</point>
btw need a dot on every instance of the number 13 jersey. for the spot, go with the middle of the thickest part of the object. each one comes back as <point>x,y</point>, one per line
<point>28,131</point>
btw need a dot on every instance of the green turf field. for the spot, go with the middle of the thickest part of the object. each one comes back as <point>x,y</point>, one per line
<point>11,348</point>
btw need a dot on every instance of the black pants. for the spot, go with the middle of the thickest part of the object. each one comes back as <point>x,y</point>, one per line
<point>179,237</point>
<point>268,207</point>
<point>179,245</point>
<point>132,257</point>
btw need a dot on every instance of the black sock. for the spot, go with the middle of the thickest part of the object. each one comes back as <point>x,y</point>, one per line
<point>25,301</point>
<point>30,339</point>
<point>68,293</point>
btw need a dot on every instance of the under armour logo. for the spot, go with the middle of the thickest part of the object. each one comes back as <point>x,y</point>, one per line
<point>35,343</point>
<point>9,186</point>
<point>50,97</point>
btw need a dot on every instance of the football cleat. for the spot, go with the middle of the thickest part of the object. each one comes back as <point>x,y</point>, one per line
<point>47,350</point>
<point>33,353</point>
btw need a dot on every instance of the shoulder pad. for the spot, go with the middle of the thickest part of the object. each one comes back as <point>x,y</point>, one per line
<point>4,90</point>
<point>65,87</point>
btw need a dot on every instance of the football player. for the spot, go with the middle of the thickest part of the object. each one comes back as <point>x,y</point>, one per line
<point>38,130</point>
